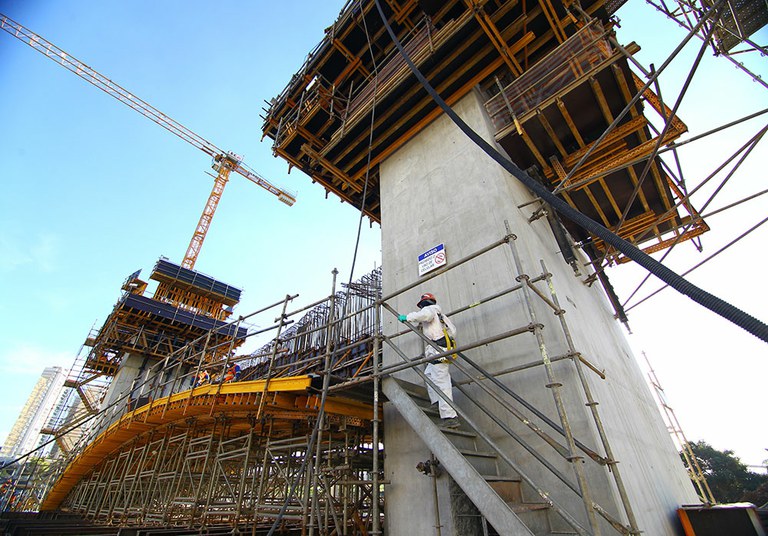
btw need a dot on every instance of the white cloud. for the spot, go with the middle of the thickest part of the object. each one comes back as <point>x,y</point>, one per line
<point>40,252</point>
<point>45,252</point>
<point>12,255</point>
<point>30,360</point>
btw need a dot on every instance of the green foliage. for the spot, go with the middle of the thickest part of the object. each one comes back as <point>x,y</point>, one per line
<point>728,478</point>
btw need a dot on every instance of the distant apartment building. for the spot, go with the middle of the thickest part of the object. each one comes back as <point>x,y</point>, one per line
<point>45,395</point>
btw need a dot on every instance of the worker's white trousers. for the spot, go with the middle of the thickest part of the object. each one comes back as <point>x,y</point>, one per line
<point>439,374</point>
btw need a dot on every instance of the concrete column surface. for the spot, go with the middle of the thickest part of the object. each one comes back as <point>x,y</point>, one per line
<point>441,188</point>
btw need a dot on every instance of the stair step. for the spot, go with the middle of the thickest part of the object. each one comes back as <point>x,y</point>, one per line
<point>457,432</point>
<point>430,410</point>
<point>416,391</point>
<point>500,478</point>
<point>493,507</point>
<point>478,454</point>
<point>519,508</point>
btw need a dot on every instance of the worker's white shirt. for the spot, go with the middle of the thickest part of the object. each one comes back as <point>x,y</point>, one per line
<point>430,322</point>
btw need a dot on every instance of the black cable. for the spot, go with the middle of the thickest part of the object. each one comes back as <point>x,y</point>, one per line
<point>700,296</point>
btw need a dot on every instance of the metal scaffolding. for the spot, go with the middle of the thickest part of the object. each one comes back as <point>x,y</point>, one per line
<point>281,449</point>
<point>296,443</point>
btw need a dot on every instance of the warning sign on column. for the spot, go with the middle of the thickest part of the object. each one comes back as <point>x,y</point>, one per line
<point>432,259</point>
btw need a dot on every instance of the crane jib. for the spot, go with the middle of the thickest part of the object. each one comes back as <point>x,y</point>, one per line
<point>95,78</point>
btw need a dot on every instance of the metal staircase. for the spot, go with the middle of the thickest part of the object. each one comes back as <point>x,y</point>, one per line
<point>498,492</point>
<point>528,470</point>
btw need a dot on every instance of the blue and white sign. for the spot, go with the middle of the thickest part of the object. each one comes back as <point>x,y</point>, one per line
<point>432,259</point>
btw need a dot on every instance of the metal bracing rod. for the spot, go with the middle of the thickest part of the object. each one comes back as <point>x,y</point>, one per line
<point>655,151</point>
<point>534,364</point>
<point>412,363</point>
<point>313,437</point>
<point>186,469</point>
<point>659,139</point>
<point>592,405</point>
<point>93,506</point>
<point>330,505</point>
<point>391,369</point>
<point>757,78</point>
<point>164,478</point>
<point>305,473</point>
<point>262,479</point>
<point>177,377</point>
<point>120,481</point>
<point>466,307</point>
<point>491,443</point>
<point>241,487</point>
<point>136,474</point>
<point>319,425</point>
<point>735,204</point>
<point>676,145</point>
<point>749,146</point>
<point>196,496</point>
<point>715,254</point>
<point>634,99</point>
<point>487,299</point>
<point>628,55</point>
<point>376,528</point>
<point>272,358</point>
<point>436,273</point>
<point>305,308</point>
<point>555,386</point>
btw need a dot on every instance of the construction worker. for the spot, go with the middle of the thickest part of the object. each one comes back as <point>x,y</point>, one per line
<point>233,373</point>
<point>203,378</point>
<point>438,328</point>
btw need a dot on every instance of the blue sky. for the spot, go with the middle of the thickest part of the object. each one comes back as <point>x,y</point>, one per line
<point>95,191</point>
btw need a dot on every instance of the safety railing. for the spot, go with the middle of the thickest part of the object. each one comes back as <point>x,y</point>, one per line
<point>488,390</point>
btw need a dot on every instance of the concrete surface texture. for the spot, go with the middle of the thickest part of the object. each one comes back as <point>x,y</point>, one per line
<point>442,189</point>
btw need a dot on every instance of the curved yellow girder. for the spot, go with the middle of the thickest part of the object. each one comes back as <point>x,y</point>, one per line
<point>287,399</point>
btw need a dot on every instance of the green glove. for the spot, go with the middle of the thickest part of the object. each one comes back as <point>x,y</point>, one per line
<point>402,318</point>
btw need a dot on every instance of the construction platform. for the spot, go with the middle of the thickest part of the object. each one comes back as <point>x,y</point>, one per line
<point>276,408</point>
<point>558,87</point>
<point>185,306</point>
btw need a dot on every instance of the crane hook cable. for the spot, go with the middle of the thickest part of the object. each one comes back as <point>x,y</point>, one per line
<point>668,276</point>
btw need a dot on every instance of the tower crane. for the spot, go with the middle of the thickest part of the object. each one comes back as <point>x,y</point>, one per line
<point>223,162</point>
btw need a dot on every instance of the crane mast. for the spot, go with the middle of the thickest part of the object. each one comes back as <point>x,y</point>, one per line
<point>223,162</point>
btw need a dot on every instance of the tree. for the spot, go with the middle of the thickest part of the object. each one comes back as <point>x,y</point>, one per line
<point>728,478</point>
<point>758,497</point>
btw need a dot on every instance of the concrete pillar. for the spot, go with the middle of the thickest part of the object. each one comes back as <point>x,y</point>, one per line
<point>442,189</point>
<point>131,367</point>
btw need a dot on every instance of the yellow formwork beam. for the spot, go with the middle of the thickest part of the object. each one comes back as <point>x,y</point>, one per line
<point>289,400</point>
